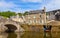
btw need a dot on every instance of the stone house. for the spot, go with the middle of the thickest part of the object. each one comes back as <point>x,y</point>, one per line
<point>54,18</point>
<point>36,17</point>
<point>54,15</point>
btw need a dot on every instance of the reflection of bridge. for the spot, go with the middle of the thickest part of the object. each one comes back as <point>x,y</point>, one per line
<point>7,24</point>
<point>11,35</point>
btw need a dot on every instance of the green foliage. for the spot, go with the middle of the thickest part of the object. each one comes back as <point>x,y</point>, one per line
<point>7,14</point>
<point>20,14</point>
<point>26,13</point>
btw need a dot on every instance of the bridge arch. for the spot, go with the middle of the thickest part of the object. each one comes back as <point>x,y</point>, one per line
<point>11,27</point>
<point>7,24</point>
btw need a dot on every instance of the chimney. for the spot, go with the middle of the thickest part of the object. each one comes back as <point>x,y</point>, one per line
<point>45,9</point>
<point>45,15</point>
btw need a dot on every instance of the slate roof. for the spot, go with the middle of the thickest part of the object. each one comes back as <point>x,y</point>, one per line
<point>36,11</point>
<point>53,11</point>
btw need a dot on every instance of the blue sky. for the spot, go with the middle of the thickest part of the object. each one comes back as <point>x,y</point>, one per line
<point>27,5</point>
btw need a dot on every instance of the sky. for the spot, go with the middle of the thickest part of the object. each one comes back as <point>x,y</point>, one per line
<point>20,6</point>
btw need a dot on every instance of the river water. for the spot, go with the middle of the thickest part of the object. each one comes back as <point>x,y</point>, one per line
<point>31,35</point>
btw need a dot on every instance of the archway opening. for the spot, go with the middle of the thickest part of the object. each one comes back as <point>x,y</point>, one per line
<point>11,28</point>
<point>47,27</point>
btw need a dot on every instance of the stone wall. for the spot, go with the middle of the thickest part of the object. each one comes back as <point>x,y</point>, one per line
<point>35,28</point>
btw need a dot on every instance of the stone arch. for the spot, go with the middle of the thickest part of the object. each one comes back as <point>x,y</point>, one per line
<point>11,27</point>
<point>4,22</point>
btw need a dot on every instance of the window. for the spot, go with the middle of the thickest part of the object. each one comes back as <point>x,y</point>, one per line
<point>34,21</point>
<point>40,16</point>
<point>39,21</point>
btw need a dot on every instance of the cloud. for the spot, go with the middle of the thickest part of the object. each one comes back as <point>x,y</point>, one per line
<point>31,5</point>
<point>8,6</point>
<point>53,5</point>
<point>11,6</point>
<point>32,0</point>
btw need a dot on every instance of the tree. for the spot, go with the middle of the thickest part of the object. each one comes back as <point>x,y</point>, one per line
<point>20,14</point>
<point>26,13</point>
<point>7,14</point>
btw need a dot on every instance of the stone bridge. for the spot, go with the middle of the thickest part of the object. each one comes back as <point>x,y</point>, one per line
<point>8,24</point>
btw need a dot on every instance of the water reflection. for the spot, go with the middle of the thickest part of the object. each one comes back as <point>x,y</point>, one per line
<point>12,36</point>
<point>47,35</point>
<point>31,35</point>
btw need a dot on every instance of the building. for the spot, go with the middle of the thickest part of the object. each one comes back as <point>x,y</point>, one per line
<point>54,15</point>
<point>36,17</point>
<point>54,19</point>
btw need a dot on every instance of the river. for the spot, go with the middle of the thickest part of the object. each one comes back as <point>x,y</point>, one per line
<point>31,35</point>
